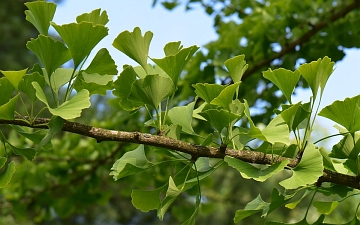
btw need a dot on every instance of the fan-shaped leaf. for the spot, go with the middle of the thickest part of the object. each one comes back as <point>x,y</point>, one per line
<point>6,175</point>
<point>236,67</point>
<point>94,17</point>
<point>14,76</point>
<point>7,110</point>
<point>152,199</point>
<point>40,14</point>
<point>6,90</point>
<point>102,64</point>
<point>182,115</point>
<point>208,92</point>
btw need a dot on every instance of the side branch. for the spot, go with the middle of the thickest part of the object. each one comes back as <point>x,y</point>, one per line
<point>317,27</point>
<point>196,151</point>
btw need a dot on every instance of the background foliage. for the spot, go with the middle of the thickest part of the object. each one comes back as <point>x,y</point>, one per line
<point>71,185</point>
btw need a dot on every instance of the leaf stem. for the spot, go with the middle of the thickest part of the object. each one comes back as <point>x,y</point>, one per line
<point>333,135</point>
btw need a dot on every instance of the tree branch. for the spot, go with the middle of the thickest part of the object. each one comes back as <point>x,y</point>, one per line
<point>317,27</point>
<point>194,150</point>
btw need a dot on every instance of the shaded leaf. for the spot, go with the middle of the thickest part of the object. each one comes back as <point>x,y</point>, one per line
<point>6,90</point>
<point>225,98</point>
<point>6,175</point>
<point>35,137</point>
<point>55,125</point>
<point>28,153</point>
<point>208,92</point>
<point>40,14</point>
<point>171,194</point>
<point>325,207</point>
<point>253,207</point>
<point>7,110</point>
<point>295,114</point>
<point>146,200</point>
<point>134,45</point>
<point>182,115</point>
<point>26,87</point>
<point>219,118</point>
<point>102,64</point>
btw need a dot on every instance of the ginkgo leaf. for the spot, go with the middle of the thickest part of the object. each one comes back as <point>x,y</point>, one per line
<point>236,67</point>
<point>325,207</point>
<point>258,173</point>
<point>6,174</point>
<point>277,131</point>
<point>307,171</point>
<point>255,206</point>
<point>171,194</point>
<point>208,92</point>
<point>7,110</point>
<point>134,45</point>
<point>151,90</point>
<point>225,98</point>
<point>285,80</point>
<point>172,48</point>
<point>94,17</point>
<point>81,38</point>
<point>52,54</point>
<point>219,118</point>
<point>26,87</point>
<point>6,90</point>
<point>345,113</point>
<point>28,153</point>
<point>173,65</point>
<point>317,73</point>
<point>152,199</point>
<point>14,77</point>
<point>40,14</point>
<point>130,163</point>
<point>182,115</point>
<point>60,77</point>
<point>295,114</point>
<point>68,110</point>
<point>102,64</point>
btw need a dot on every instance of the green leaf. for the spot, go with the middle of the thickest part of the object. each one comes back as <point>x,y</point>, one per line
<point>59,78</point>
<point>173,65</point>
<point>151,90</point>
<point>219,118</point>
<point>6,90</point>
<point>68,110</point>
<point>2,161</point>
<point>7,110</point>
<point>307,171</point>
<point>122,88</point>
<point>285,80</point>
<point>102,64</point>
<point>172,48</point>
<point>40,14</point>
<point>14,77</point>
<point>208,92</point>
<point>277,131</point>
<point>236,67</point>
<point>325,207</point>
<point>258,173</point>
<point>225,98</point>
<point>255,206</point>
<point>55,125</point>
<point>345,148</point>
<point>6,175</point>
<point>134,45</point>
<point>152,199</point>
<point>130,163</point>
<point>97,78</point>
<point>171,194</point>
<point>182,115</point>
<point>94,17</point>
<point>81,38</point>
<point>94,83</point>
<point>26,87</point>
<point>295,114</point>
<point>52,54</point>
<point>345,113</point>
<point>317,73</point>
<point>35,137</point>
<point>28,153</point>
<point>293,204</point>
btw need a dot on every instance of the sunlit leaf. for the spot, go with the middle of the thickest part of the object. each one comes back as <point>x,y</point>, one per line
<point>60,77</point>
<point>182,115</point>
<point>94,17</point>
<point>14,76</point>
<point>52,54</point>
<point>40,14</point>
<point>236,67</point>
<point>345,113</point>
<point>258,173</point>
<point>94,83</point>
<point>173,65</point>
<point>172,48</point>
<point>325,207</point>
<point>317,73</point>
<point>7,110</point>
<point>295,114</point>
<point>81,38</point>
<point>68,110</point>
<point>225,98</point>
<point>285,80</point>
<point>307,171</point>
<point>134,45</point>
<point>130,163</point>
<point>102,64</point>
<point>5,175</point>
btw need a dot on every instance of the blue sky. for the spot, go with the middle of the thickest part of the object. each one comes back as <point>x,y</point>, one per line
<point>193,27</point>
